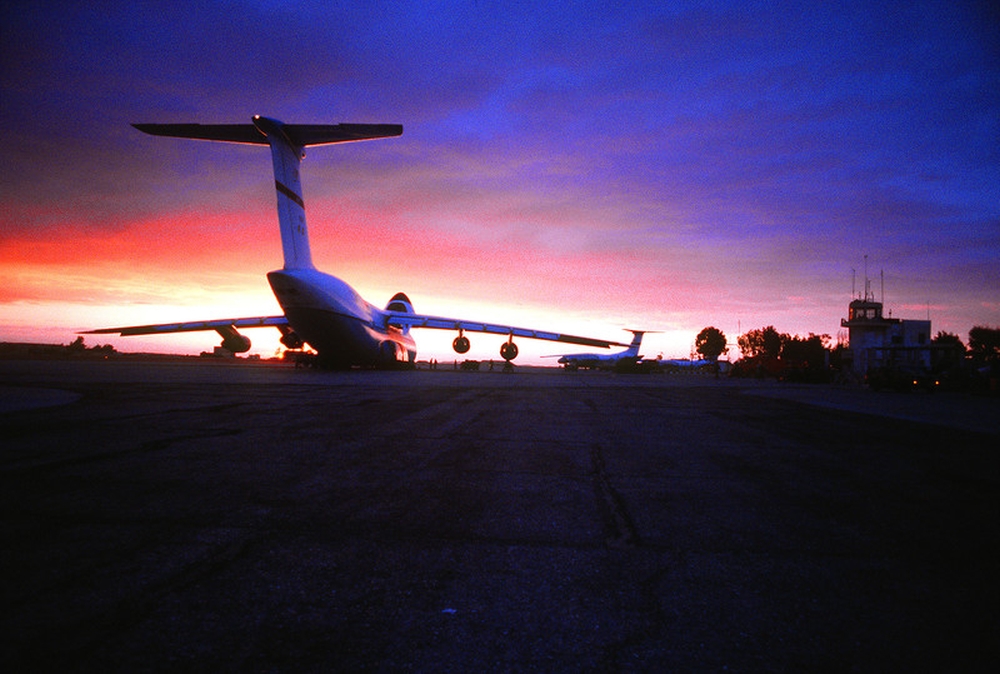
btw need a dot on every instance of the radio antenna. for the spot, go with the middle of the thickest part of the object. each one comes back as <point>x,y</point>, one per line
<point>867,284</point>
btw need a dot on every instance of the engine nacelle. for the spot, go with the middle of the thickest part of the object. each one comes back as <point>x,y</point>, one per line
<point>461,344</point>
<point>508,351</point>
<point>232,340</point>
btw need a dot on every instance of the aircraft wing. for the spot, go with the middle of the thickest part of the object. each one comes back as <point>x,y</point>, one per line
<point>441,323</point>
<point>193,326</point>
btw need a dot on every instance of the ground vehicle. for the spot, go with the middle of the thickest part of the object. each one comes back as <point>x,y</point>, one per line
<point>899,378</point>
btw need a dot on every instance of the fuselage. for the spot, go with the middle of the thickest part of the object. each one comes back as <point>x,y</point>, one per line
<point>573,361</point>
<point>334,319</point>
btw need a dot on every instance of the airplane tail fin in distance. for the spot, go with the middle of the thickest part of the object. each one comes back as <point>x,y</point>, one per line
<point>288,143</point>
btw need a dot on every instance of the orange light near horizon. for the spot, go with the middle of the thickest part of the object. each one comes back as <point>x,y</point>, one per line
<point>191,266</point>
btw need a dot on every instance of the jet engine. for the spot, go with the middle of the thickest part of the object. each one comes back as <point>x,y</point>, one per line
<point>508,351</point>
<point>461,343</point>
<point>232,340</point>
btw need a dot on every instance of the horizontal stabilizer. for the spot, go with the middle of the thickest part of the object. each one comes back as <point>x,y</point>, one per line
<point>302,135</point>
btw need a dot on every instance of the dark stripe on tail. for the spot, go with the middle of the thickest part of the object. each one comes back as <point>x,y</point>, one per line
<point>290,194</point>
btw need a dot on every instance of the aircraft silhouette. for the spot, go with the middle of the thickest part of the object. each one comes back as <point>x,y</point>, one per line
<point>594,361</point>
<point>318,309</point>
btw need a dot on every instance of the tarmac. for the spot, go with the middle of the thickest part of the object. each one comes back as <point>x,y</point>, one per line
<point>204,516</point>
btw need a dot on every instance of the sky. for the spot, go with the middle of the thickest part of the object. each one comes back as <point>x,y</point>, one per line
<point>580,167</point>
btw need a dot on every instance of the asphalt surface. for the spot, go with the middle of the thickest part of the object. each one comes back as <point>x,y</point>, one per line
<point>206,517</point>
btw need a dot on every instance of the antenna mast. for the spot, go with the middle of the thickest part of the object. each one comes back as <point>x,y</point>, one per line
<point>867,284</point>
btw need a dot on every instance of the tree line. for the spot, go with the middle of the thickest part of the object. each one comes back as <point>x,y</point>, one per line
<point>765,351</point>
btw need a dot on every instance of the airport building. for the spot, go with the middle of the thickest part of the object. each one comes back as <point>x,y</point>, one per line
<point>877,341</point>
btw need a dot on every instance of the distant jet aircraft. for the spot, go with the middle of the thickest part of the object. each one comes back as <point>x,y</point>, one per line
<point>593,361</point>
<point>319,309</point>
<point>684,363</point>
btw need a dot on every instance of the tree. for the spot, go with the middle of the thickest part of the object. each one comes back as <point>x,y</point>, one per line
<point>805,352</point>
<point>711,343</point>
<point>984,344</point>
<point>948,339</point>
<point>77,347</point>
<point>763,342</point>
<point>947,352</point>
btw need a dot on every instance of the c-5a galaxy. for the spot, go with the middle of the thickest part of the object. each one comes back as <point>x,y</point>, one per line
<point>319,309</point>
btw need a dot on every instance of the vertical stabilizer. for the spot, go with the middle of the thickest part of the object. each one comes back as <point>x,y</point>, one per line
<point>286,156</point>
<point>287,142</point>
<point>633,348</point>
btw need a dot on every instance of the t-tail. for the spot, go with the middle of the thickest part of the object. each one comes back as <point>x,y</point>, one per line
<point>288,143</point>
<point>633,348</point>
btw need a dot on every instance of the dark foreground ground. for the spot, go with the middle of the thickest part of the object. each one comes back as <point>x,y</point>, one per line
<point>210,517</point>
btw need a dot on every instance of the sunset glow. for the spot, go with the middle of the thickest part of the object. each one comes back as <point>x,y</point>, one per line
<point>666,166</point>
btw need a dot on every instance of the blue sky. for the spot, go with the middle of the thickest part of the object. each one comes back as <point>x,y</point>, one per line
<point>658,165</point>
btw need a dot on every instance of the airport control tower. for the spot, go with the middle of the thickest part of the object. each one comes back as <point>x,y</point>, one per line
<point>879,341</point>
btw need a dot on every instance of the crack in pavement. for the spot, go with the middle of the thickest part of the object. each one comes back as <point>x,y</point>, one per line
<point>620,530</point>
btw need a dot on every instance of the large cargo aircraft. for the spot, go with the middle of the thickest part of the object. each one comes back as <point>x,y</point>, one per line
<point>609,361</point>
<point>319,309</point>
